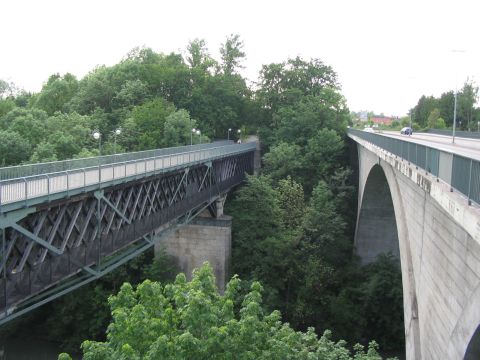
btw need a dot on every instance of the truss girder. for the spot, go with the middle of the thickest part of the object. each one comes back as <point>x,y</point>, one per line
<point>83,229</point>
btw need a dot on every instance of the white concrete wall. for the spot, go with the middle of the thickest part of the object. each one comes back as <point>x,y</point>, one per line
<point>439,240</point>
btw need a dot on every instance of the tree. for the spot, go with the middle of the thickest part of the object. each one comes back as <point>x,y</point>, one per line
<point>446,105</point>
<point>323,155</point>
<point>287,82</point>
<point>56,92</point>
<point>178,128</point>
<point>149,123</point>
<point>14,148</point>
<point>467,98</point>
<point>28,123</point>
<point>44,152</point>
<point>6,105</point>
<point>132,92</point>
<point>423,109</point>
<point>232,54</point>
<point>283,160</point>
<point>435,121</point>
<point>291,202</point>
<point>7,89</point>
<point>258,217</point>
<point>190,320</point>
<point>198,56</point>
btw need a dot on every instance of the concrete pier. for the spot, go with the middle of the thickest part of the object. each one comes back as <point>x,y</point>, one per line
<point>204,239</point>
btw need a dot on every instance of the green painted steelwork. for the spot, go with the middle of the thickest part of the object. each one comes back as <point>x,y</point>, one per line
<point>91,275</point>
<point>26,201</point>
<point>19,171</point>
<point>10,218</point>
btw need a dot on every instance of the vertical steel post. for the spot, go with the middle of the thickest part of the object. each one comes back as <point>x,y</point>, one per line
<point>470,182</point>
<point>4,270</point>
<point>99,223</point>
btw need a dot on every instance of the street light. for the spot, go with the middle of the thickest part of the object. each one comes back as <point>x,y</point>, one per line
<point>200,134</point>
<point>97,136</point>
<point>115,133</point>
<point>455,99</point>
<point>191,136</point>
<point>228,136</point>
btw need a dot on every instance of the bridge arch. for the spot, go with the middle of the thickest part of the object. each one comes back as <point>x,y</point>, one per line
<point>382,225</point>
<point>473,349</point>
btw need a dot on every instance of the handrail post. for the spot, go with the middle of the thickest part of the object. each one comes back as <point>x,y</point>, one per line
<point>470,182</point>
<point>26,191</point>
<point>48,187</point>
<point>68,184</point>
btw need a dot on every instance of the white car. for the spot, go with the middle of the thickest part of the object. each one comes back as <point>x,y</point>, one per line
<point>369,129</point>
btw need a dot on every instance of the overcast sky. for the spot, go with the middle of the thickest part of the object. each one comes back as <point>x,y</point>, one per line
<point>386,53</point>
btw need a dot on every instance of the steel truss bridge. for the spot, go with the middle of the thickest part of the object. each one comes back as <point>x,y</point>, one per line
<point>67,223</point>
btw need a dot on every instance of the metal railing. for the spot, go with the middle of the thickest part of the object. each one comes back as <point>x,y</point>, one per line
<point>45,184</point>
<point>460,172</point>
<point>13,172</point>
<point>458,133</point>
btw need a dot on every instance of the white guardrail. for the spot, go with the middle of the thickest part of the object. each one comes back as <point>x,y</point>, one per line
<point>29,187</point>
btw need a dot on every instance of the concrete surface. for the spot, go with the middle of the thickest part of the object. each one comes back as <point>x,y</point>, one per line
<point>439,243</point>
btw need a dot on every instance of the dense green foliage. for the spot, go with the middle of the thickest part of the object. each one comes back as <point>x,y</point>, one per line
<point>190,320</point>
<point>155,99</point>
<point>293,225</point>
<point>438,112</point>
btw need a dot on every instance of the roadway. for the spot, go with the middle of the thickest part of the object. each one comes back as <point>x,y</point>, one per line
<point>466,147</point>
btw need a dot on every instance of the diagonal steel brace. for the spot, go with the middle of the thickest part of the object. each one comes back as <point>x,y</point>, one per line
<point>36,239</point>
<point>99,195</point>
<point>209,169</point>
<point>184,178</point>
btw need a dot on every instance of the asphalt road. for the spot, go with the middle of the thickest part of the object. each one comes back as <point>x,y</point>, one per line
<point>465,147</point>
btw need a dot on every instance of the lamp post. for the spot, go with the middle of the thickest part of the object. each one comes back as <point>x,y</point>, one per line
<point>239,132</point>
<point>454,113</point>
<point>115,133</point>
<point>191,136</point>
<point>200,134</point>
<point>455,99</point>
<point>97,136</point>
<point>228,135</point>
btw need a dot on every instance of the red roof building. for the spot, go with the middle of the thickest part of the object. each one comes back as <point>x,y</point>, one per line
<point>382,120</point>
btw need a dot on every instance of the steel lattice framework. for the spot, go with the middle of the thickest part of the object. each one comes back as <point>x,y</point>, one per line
<point>55,247</point>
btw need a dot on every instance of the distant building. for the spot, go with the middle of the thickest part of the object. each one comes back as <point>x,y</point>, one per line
<point>382,120</point>
<point>363,116</point>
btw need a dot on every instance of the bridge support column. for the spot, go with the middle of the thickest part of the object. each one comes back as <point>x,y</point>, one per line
<point>203,239</point>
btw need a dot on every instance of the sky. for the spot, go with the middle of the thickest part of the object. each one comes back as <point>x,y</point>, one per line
<point>386,53</point>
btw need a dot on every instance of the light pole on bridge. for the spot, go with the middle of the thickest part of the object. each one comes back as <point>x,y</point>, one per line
<point>455,99</point>
<point>98,136</point>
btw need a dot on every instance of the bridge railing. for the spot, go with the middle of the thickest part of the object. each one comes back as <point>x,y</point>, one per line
<point>13,172</point>
<point>29,187</point>
<point>461,173</point>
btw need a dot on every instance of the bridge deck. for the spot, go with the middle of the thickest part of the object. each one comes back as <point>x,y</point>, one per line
<point>466,147</point>
<point>66,182</point>
<point>61,229</point>
<point>458,165</point>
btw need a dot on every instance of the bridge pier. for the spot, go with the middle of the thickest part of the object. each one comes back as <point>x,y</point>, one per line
<point>203,239</point>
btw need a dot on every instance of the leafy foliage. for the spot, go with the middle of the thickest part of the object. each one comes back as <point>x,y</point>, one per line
<point>190,320</point>
<point>468,114</point>
<point>293,226</point>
